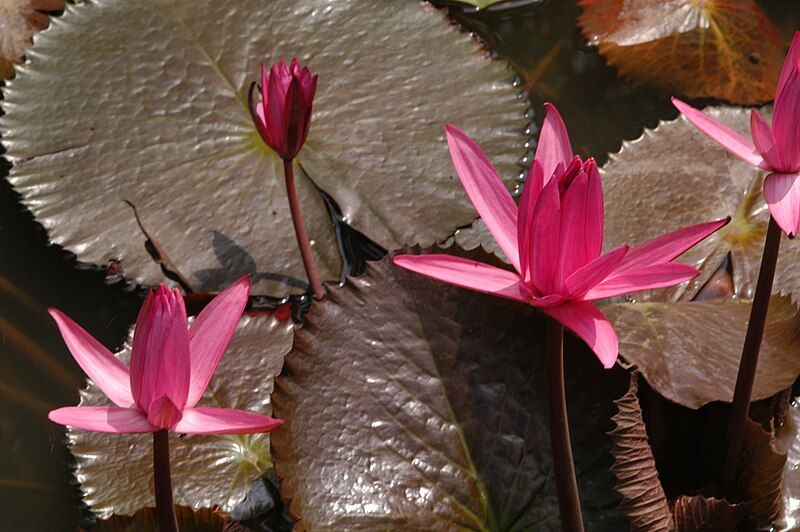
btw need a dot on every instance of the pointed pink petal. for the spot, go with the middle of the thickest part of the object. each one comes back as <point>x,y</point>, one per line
<point>782,194</point>
<point>107,371</point>
<point>160,351</point>
<point>465,273</point>
<point>527,203</point>
<point>726,137</point>
<point>102,419</point>
<point>163,413</point>
<point>210,334</point>
<point>667,247</point>
<point>591,326</point>
<point>486,191</point>
<point>224,421</point>
<point>546,240</point>
<point>785,123</point>
<point>580,282</point>
<point>764,140</point>
<point>631,281</point>
<point>554,147</point>
<point>789,65</point>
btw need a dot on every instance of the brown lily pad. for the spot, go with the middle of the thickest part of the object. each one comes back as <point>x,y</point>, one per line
<point>19,20</point>
<point>689,352</point>
<point>146,520</point>
<point>180,145</point>
<point>115,470</point>
<point>412,404</point>
<point>788,441</point>
<point>698,513</point>
<point>725,49</point>
<point>760,475</point>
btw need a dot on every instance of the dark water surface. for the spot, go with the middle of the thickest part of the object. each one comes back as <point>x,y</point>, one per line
<point>38,374</point>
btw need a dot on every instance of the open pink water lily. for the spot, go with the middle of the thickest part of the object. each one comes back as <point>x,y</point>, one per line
<point>554,239</point>
<point>774,148</point>
<point>171,366</point>
<point>284,114</point>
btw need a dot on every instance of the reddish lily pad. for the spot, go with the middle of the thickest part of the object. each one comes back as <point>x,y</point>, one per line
<point>412,404</point>
<point>179,143</point>
<point>146,519</point>
<point>19,20</point>
<point>725,49</point>
<point>115,471</point>
<point>698,513</point>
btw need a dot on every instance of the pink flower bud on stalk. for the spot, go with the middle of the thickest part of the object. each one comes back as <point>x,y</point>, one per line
<point>171,366</point>
<point>554,240</point>
<point>282,118</point>
<point>775,148</point>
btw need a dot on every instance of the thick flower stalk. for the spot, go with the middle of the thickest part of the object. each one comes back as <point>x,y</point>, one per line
<point>554,241</point>
<point>282,118</point>
<point>774,148</point>
<point>170,368</point>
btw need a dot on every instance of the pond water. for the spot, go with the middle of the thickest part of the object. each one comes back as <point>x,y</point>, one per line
<point>37,373</point>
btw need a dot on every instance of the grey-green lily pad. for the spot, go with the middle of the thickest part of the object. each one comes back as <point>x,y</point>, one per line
<point>413,405</point>
<point>115,471</point>
<point>146,101</point>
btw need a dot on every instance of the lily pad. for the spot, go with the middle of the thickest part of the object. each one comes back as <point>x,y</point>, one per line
<point>674,176</point>
<point>689,352</point>
<point>146,519</point>
<point>725,49</point>
<point>789,441</point>
<point>19,20</point>
<point>168,129</point>
<point>410,404</point>
<point>115,470</point>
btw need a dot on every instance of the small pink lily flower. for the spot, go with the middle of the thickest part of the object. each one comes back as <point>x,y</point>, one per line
<point>774,148</point>
<point>284,113</point>
<point>171,366</point>
<point>554,239</point>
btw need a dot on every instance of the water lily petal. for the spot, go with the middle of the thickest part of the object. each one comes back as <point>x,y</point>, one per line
<point>726,137</point>
<point>782,194</point>
<point>465,273</point>
<point>631,281</point>
<point>486,191</point>
<point>210,334</point>
<point>764,140</point>
<point>580,282</point>
<point>546,239</point>
<point>206,420</point>
<point>581,221</point>
<point>785,125</point>
<point>107,371</point>
<point>789,65</point>
<point>103,419</point>
<point>554,147</point>
<point>585,320</point>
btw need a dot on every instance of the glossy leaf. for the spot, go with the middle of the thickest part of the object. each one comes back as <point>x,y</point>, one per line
<point>725,49</point>
<point>760,475</point>
<point>412,404</point>
<point>689,352</point>
<point>788,440</point>
<point>698,513</point>
<point>19,20</point>
<point>179,143</point>
<point>115,470</point>
<point>146,519</point>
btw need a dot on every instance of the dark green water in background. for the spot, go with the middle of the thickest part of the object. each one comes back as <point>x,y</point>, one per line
<point>37,373</point>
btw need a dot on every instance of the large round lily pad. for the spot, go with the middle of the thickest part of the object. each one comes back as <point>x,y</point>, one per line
<point>410,405</point>
<point>115,471</point>
<point>146,101</point>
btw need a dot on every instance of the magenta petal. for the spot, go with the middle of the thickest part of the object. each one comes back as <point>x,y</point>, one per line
<point>764,140</point>
<point>109,373</point>
<point>591,326</point>
<point>726,137</point>
<point>224,421</point>
<point>782,194</point>
<point>546,239</point>
<point>789,65</point>
<point>553,147</point>
<point>210,334</point>
<point>651,277</point>
<point>102,419</point>
<point>486,191</point>
<point>465,273</point>
<point>163,413</point>
<point>667,247</point>
<point>580,282</point>
<point>785,123</point>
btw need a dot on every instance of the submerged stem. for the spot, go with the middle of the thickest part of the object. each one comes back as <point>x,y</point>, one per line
<point>167,522</point>
<point>737,422</point>
<point>300,231</point>
<point>569,505</point>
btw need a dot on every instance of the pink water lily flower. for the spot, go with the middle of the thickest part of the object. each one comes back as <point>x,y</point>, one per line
<point>171,366</point>
<point>554,239</point>
<point>774,148</point>
<point>283,115</point>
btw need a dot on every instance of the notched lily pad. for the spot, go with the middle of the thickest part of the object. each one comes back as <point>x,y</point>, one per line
<point>411,404</point>
<point>19,20</point>
<point>725,49</point>
<point>179,143</point>
<point>115,470</point>
<point>674,176</point>
<point>689,352</point>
